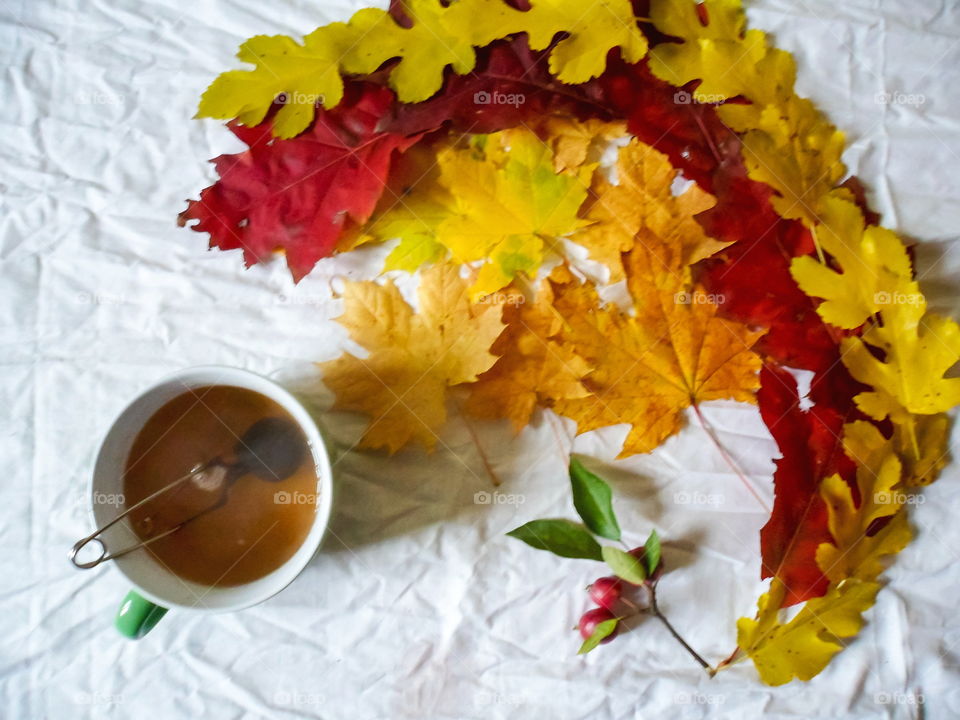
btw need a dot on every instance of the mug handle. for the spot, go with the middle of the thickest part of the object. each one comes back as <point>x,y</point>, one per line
<point>137,616</point>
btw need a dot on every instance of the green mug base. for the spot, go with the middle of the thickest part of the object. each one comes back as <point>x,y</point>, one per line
<point>137,616</point>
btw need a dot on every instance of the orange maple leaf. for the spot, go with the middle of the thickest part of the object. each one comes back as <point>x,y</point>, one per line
<point>643,201</point>
<point>671,353</point>
<point>413,357</point>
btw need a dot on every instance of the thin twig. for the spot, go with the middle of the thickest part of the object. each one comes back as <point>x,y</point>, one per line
<point>676,636</point>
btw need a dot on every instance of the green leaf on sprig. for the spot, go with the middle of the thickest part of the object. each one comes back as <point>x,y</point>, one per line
<point>624,565</point>
<point>652,552</point>
<point>561,537</point>
<point>593,500</point>
<point>600,632</point>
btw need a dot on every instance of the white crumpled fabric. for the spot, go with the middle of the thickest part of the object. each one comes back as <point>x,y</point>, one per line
<point>418,606</point>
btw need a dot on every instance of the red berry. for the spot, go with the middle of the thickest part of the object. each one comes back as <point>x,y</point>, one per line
<point>606,591</point>
<point>591,618</point>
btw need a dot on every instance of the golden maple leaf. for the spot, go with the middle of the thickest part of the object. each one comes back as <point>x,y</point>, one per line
<point>643,203</point>
<point>413,357</point>
<point>534,367</point>
<point>574,141</point>
<point>647,367</point>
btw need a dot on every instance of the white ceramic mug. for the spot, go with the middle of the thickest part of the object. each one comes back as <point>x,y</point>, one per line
<point>156,589</point>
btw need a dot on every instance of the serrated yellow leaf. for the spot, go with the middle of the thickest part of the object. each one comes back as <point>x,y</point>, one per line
<point>507,213</point>
<point>440,36</point>
<point>413,358</point>
<point>924,453</point>
<point>307,74</point>
<point>412,206</point>
<point>787,143</point>
<point>804,646</point>
<point>722,54</point>
<point>798,155</point>
<point>874,265</point>
<point>858,547</point>
<point>594,28</point>
<point>643,203</point>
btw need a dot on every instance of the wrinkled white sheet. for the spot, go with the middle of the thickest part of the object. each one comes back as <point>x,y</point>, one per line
<point>418,606</point>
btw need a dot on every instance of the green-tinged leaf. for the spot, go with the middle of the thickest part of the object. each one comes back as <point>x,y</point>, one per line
<point>593,500</point>
<point>624,565</point>
<point>652,552</point>
<point>561,537</point>
<point>600,633</point>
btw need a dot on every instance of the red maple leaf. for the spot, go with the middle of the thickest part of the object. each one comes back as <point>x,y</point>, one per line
<point>298,195</point>
<point>667,118</point>
<point>811,449</point>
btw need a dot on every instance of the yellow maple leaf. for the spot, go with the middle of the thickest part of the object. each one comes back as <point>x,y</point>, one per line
<point>412,206</point>
<point>440,35</point>
<point>509,205</point>
<point>413,357</point>
<point>497,201</point>
<point>534,367</point>
<point>643,203</point>
<point>647,367</point>
<point>802,647</point>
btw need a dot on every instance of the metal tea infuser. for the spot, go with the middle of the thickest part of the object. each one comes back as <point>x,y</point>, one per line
<point>271,449</point>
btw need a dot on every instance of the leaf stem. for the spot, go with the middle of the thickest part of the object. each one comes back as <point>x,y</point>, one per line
<point>655,609</point>
<point>708,428</point>
<point>480,451</point>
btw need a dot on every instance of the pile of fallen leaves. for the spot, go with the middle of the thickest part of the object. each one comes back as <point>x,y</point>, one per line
<point>474,133</point>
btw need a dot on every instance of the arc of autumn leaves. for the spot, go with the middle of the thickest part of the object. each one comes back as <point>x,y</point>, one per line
<point>901,353</point>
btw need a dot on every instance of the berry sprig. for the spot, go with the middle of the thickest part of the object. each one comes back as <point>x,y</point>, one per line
<point>631,592</point>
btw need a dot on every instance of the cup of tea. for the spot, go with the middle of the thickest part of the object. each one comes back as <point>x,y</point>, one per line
<point>225,488</point>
